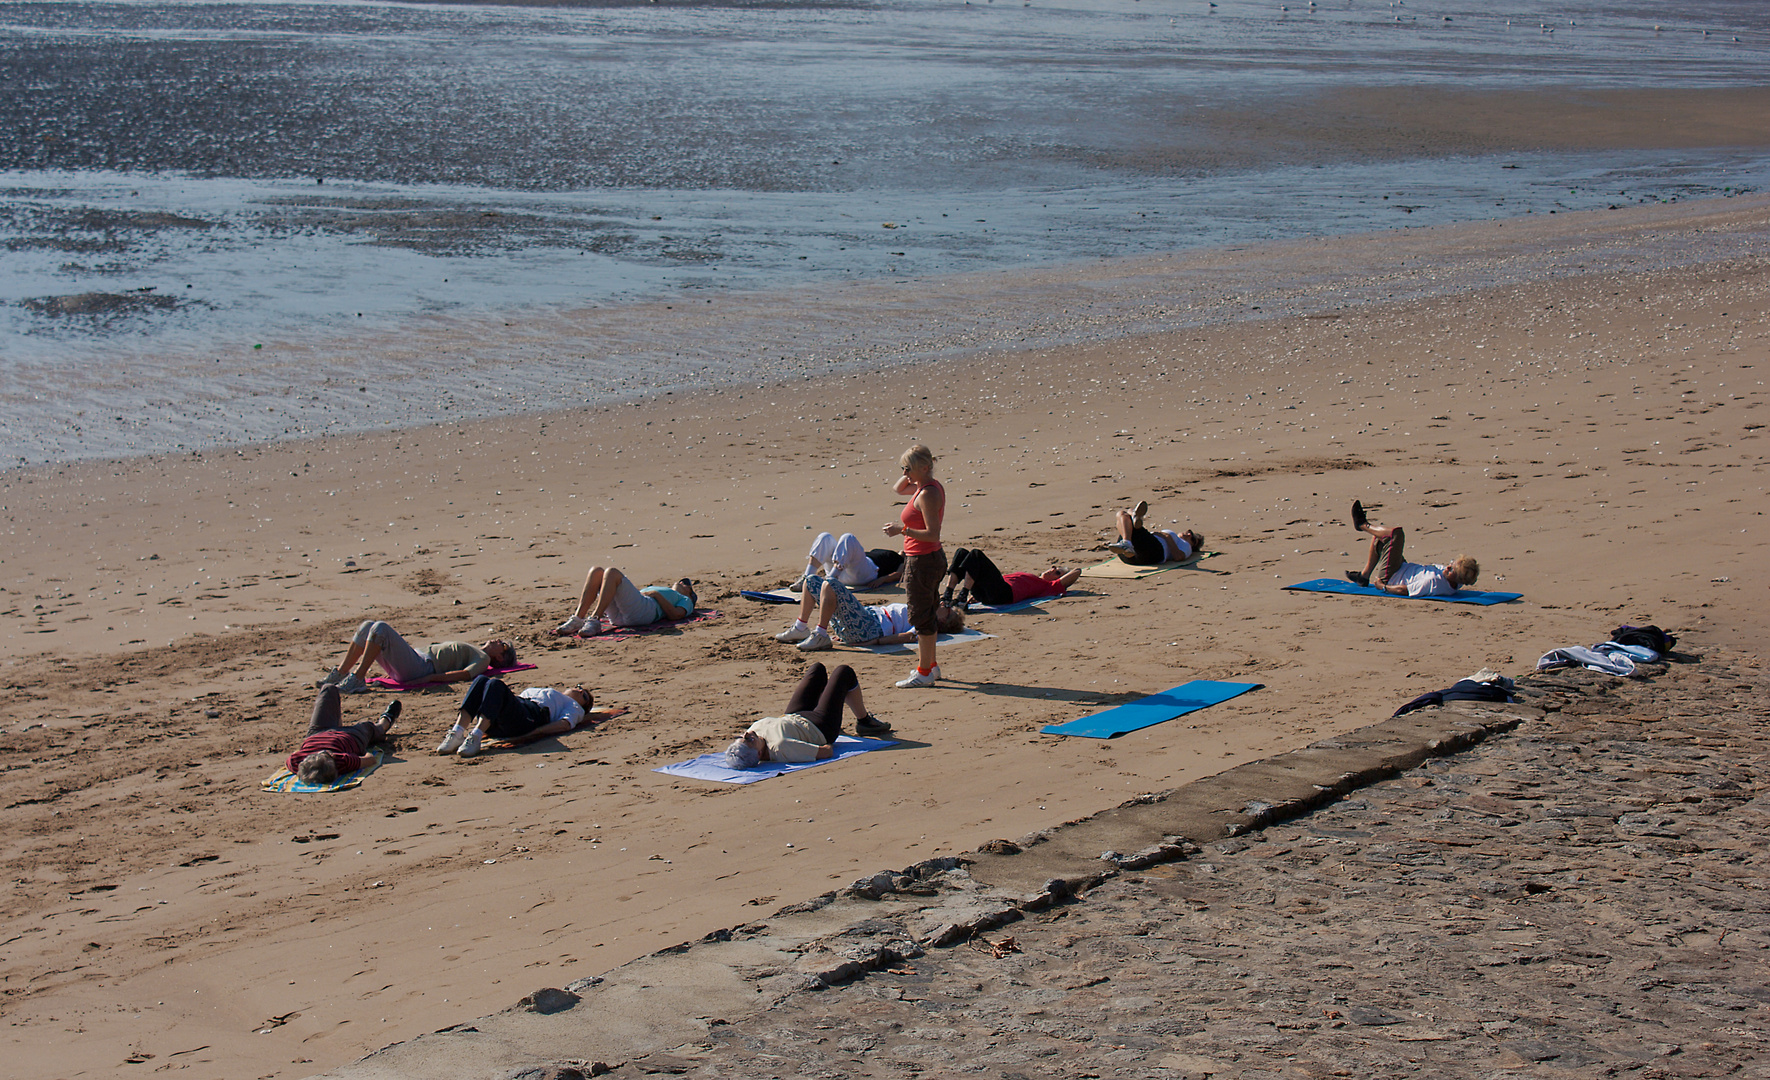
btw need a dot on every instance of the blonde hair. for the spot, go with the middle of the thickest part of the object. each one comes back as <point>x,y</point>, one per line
<point>1466,569</point>
<point>917,455</point>
<point>317,768</point>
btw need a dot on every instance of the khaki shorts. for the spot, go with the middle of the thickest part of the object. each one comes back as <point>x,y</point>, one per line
<point>922,575</point>
<point>1389,558</point>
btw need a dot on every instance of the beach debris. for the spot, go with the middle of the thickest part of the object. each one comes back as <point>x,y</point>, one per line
<point>548,1000</point>
<point>996,949</point>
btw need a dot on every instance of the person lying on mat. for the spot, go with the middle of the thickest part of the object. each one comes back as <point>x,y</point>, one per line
<point>808,730</point>
<point>444,662</point>
<point>843,559</point>
<point>330,749</point>
<point>1139,546</point>
<point>611,599</point>
<point>857,623</point>
<point>1386,569</point>
<point>491,709</point>
<point>976,578</point>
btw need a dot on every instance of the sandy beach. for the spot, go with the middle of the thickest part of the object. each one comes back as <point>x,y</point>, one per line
<point>1578,412</point>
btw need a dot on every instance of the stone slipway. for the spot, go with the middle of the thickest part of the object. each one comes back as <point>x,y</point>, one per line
<point>668,998</point>
<point>717,1006</point>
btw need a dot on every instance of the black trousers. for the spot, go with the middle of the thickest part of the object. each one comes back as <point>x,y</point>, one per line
<point>819,697</point>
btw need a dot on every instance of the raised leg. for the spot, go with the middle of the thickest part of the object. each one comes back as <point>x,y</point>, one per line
<point>811,687</point>
<point>605,594</point>
<point>592,586</point>
<point>328,711</point>
<point>828,601</point>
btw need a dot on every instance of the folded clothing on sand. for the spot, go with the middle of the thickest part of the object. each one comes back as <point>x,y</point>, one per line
<point>712,766</point>
<point>1597,659</point>
<point>1649,636</point>
<point>1152,710</point>
<point>284,780</point>
<point>1347,588</point>
<point>1464,690</point>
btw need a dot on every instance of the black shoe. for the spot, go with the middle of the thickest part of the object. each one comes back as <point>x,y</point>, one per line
<point>1359,521</point>
<point>391,713</point>
<point>871,725</point>
<point>1357,578</point>
<point>963,601</point>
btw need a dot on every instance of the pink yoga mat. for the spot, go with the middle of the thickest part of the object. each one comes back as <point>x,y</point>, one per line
<point>382,682</point>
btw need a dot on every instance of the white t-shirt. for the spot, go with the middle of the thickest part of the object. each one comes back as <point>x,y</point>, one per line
<point>893,619</point>
<point>559,706</point>
<point>790,738</point>
<point>1423,580</point>
<point>1178,549</point>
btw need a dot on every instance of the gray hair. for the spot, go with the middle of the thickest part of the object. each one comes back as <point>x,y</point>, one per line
<point>316,769</point>
<point>741,755</point>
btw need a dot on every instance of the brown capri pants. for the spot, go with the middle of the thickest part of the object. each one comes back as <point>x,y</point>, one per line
<point>1389,558</point>
<point>922,575</point>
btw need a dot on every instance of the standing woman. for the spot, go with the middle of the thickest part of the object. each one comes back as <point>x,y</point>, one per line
<point>924,563</point>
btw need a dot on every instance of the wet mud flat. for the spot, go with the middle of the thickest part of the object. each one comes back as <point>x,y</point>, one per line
<point>1572,884</point>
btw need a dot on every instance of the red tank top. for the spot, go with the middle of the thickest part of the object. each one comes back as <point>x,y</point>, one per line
<point>912,519</point>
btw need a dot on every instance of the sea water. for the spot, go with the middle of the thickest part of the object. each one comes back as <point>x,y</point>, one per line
<point>228,223</point>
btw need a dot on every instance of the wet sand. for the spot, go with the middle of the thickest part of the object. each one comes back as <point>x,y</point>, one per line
<point>1586,427</point>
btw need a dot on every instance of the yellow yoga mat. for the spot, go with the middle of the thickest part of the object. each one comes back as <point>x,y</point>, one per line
<point>1113,568</point>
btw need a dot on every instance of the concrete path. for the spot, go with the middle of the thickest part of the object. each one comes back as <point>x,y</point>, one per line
<point>1573,886</point>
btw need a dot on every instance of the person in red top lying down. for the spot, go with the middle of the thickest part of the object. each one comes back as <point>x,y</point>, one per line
<point>330,749</point>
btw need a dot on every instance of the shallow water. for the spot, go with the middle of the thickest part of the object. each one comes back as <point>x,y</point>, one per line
<point>270,195</point>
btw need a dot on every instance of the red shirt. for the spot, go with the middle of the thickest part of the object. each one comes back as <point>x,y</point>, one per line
<point>1032,586</point>
<point>912,519</point>
<point>347,750</point>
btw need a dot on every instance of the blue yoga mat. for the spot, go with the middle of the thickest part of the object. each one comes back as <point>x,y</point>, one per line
<point>1461,596</point>
<point>1154,709</point>
<point>712,766</point>
<point>769,597</point>
<point>975,608</point>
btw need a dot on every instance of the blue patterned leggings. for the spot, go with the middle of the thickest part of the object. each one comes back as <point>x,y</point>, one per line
<point>854,622</point>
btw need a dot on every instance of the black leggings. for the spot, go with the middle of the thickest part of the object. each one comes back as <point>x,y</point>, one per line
<point>885,561</point>
<point>509,716</point>
<point>819,697</point>
<point>987,586</point>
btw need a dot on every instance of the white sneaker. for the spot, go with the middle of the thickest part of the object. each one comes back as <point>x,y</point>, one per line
<point>331,678</point>
<point>918,679</point>
<point>452,741</point>
<point>818,639</point>
<point>471,746</point>
<point>796,632</point>
<point>592,626</point>
<point>570,626</point>
<point>352,684</point>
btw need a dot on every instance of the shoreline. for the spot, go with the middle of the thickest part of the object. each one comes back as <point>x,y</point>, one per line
<point>817,330</point>
<point>1591,436</point>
